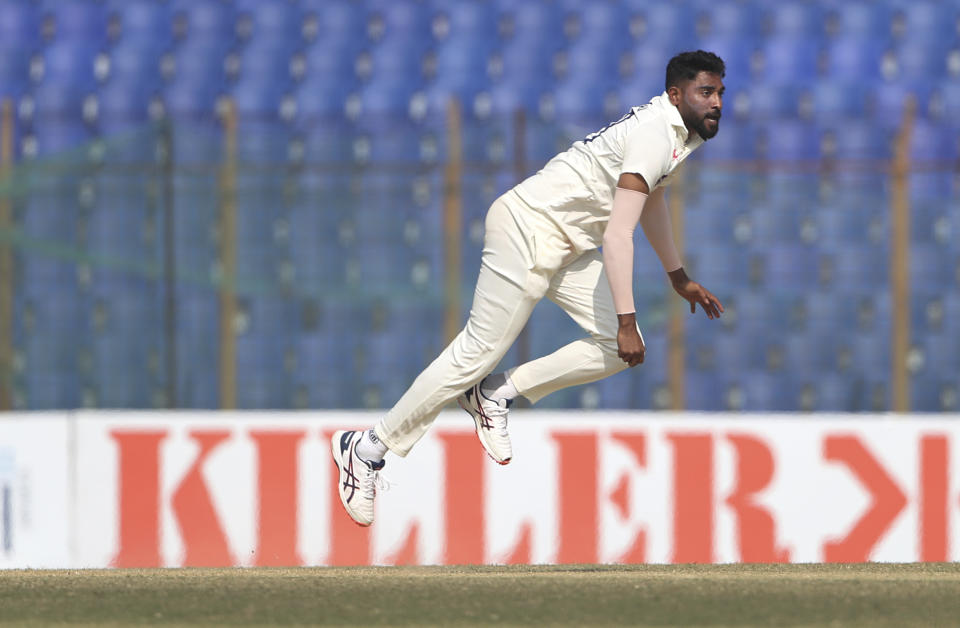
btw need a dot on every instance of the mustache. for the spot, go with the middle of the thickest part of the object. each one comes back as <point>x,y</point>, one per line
<point>713,116</point>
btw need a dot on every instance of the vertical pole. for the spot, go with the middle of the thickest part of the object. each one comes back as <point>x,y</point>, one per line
<point>6,259</point>
<point>169,267</point>
<point>900,262</point>
<point>676,353</point>
<point>228,261</point>
<point>452,221</point>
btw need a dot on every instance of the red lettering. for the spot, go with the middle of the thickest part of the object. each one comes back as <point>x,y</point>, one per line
<point>522,552</point>
<point>277,489</point>
<point>637,445</point>
<point>138,498</point>
<point>409,549</point>
<point>349,542</point>
<point>756,527</point>
<point>692,498</point>
<point>934,482</point>
<point>888,500</point>
<point>577,478</point>
<point>463,498</point>
<point>204,540</point>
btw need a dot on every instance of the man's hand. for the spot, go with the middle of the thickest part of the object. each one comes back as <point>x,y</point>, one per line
<point>695,293</point>
<point>629,343</point>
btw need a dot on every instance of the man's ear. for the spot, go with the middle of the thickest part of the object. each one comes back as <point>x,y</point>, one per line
<point>673,93</point>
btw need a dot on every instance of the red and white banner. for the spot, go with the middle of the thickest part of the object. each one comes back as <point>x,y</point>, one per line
<point>155,489</point>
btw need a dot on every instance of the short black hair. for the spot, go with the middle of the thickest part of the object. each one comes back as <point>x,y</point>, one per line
<point>686,65</point>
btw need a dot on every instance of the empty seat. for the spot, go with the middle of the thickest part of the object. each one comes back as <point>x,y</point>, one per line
<point>19,25</point>
<point>852,59</point>
<point>83,20</point>
<point>789,61</point>
<point>730,19</point>
<point>859,20</point>
<point>143,21</point>
<point>461,20</point>
<point>204,21</point>
<point>270,22</point>
<point>795,20</point>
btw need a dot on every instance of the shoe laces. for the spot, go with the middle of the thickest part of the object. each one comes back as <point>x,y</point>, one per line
<point>498,415</point>
<point>373,480</point>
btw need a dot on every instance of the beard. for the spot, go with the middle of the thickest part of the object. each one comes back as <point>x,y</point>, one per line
<point>705,131</point>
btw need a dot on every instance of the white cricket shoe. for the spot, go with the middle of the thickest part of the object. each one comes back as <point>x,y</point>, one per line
<point>490,419</point>
<point>358,478</point>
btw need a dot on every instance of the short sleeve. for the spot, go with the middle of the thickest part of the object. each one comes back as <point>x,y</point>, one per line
<point>647,153</point>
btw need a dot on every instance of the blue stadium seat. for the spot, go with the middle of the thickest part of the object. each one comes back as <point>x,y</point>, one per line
<point>271,22</point>
<point>533,22</point>
<point>207,22</point>
<point>834,393</point>
<point>70,62</point>
<point>605,24</point>
<point>667,23</point>
<point>463,20</point>
<point>387,98</point>
<point>200,63</point>
<point>124,107</point>
<point>851,59</point>
<point>326,369</point>
<point>864,265</point>
<point>19,25</point>
<point>266,61</point>
<point>720,265</point>
<point>705,392</point>
<point>931,265</point>
<point>83,20</point>
<point>789,61</point>
<point>339,22</point>
<point>767,100</point>
<point>761,391</point>
<point>790,266</point>
<point>330,63</point>
<point>730,19</point>
<point>582,102</point>
<point>57,390</point>
<point>838,225</point>
<point>920,60</point>
<point>795,20</point>
<point>838,99</point>
<point>60,131</point>
<point>649,61</point>
<point>859,20</point>
<point>926,21</point>
<point>774,225</point>
<point>399,22</point>
<point>14,71</point>
<point>143,21</point>
<point>198,349</point>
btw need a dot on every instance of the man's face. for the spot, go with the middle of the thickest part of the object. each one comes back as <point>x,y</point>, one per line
<point>699,101</point>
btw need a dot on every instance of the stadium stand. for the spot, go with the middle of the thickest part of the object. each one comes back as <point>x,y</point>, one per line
<point>341,189</point>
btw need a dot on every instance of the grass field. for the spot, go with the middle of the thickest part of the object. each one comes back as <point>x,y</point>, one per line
<point>727,595</point>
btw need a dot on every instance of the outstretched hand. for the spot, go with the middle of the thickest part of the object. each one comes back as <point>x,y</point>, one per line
<point>694,293</point>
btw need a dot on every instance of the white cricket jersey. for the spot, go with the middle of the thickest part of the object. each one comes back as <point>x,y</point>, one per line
<point>576,187</point>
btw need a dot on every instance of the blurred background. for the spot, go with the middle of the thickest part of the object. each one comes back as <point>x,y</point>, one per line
<point>279,204</point>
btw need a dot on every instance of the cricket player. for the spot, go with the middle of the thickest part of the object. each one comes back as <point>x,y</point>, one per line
<point>543,238</point>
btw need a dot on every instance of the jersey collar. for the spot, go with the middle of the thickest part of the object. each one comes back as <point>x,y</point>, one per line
<point>673,116</point>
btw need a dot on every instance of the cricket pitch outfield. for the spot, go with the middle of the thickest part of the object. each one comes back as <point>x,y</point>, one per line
<point>642,595</point>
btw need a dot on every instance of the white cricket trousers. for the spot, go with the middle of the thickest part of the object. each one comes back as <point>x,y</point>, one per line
<point>525,257</point>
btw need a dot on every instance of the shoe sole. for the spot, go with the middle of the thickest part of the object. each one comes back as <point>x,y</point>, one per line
<point>335,451</point>
<point>479,430</point>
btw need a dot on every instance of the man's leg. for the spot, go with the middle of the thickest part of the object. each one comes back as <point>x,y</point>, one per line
<point>508,287</point>
<point>581,289</point>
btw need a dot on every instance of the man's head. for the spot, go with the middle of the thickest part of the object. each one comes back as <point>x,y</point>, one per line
<point>695,87</point>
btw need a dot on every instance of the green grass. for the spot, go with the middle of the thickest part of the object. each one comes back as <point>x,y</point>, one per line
<point>649,595</point>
